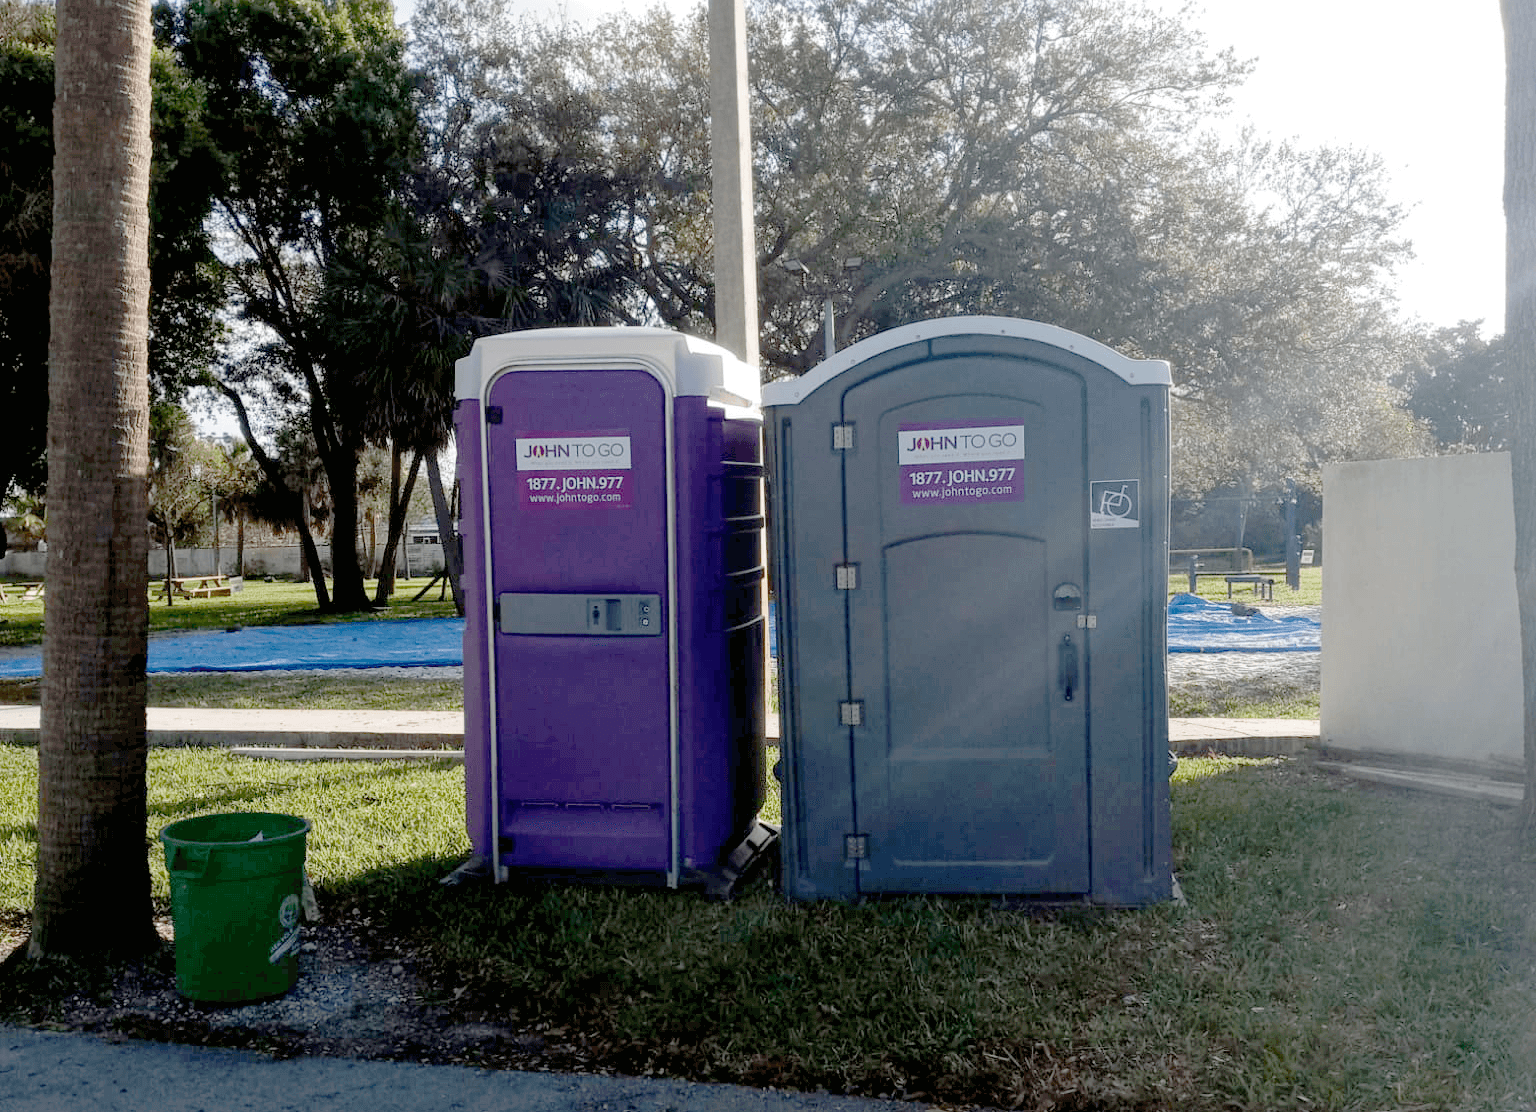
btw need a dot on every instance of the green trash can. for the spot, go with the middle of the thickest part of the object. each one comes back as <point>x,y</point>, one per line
<point>236,893</point>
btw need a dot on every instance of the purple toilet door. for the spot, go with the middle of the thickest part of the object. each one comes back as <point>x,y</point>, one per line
<point>577,493</point>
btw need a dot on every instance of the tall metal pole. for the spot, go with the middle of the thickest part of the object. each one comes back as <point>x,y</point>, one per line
<point>731,181</point>
<point>1292,539</point>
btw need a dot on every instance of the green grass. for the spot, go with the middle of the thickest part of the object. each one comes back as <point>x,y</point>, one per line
<point>377,829</point>
<point>305,690</point>
<point>1343,948</point>
<point>1234,704</point>
<point>259,603</point>
<point>1213,586</point>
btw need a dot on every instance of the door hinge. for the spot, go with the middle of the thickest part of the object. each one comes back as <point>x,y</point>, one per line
<point>847,577</point>
<point>851,714</point>
<point>842,437</point>
<point>496,614</point>
<point>855,847</point>
<point>493,415</point>
<point>1087,621</point>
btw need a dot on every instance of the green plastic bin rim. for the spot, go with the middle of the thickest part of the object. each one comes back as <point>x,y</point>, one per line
<point>234,828</point>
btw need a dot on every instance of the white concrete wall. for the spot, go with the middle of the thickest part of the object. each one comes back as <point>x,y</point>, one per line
<point>27,565</point>
<point>425,559</point>
<point>1421,634</point>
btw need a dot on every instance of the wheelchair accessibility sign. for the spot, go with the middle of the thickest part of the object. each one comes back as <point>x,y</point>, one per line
<point>1114,504</point>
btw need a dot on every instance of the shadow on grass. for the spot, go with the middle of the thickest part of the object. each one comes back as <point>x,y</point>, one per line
<point>890,998</point>
<point>39,992</point>
<point>1343,945</point>
<point>26,832</point>
<point>1323,922</point>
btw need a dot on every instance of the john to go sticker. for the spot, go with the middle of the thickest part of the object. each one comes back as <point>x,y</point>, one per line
<point>574,470</point>
<point>973,461</point>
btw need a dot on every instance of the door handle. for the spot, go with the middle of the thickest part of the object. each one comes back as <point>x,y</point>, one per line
<point>1068,659</point>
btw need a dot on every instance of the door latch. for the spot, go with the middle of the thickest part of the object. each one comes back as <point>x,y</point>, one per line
<point>1068,659</point>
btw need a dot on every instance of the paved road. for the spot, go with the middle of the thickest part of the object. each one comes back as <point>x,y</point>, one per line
<point>48,1072</point>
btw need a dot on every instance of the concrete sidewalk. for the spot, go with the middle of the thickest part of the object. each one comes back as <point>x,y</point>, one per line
<point>1504,793</point>
<point>389,731</point>
<point>1242,737</point>
<point>296,729</point>
<point>46,1072</point>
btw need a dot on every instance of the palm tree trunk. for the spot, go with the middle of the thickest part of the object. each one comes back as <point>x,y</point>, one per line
<point>453,556</point>
<point>1520,338</point>
<point>399,508</point>
<point>170,570</point>
<point>93,895</point>
<point>348,595</point>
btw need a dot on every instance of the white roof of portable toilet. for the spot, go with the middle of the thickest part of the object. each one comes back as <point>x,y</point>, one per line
<point>691,366</point>
<point>1138,372</point>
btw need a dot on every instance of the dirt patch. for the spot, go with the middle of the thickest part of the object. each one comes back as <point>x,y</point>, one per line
<point>359,994</point>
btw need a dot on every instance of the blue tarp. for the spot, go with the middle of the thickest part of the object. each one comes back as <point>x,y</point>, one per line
<point>418,643</point>
<point>1197,625</point>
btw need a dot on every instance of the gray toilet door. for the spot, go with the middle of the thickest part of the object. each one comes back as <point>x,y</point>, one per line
<point>965,511</point>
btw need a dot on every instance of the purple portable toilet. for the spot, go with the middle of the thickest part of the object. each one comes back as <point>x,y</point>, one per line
<point>614,588</point>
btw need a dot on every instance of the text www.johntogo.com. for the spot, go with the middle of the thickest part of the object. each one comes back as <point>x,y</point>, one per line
<point>963,492</point>
<point>586,498</point>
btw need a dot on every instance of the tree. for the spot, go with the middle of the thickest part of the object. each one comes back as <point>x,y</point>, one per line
<point>1031,159</point>
<point>186,283</point>
<point>236,487</point>
<point>93,894</point>
<point>1520,340</point>
<point>182,472</point>
<point>26,164</point>
<point>514,215</point>
<point>398,491</point>
<point>1282,328</point>
<point>990,170</point>
<point>1460,386</point>
<point>311,108</point>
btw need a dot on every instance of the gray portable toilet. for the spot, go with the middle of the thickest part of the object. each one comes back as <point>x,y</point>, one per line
<point>970,524</point>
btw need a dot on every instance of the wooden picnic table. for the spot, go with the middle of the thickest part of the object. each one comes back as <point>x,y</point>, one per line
<point>197,586</point>
<point>20,592</point>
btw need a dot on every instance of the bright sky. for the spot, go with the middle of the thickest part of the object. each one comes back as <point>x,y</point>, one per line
<point>1419,83</point>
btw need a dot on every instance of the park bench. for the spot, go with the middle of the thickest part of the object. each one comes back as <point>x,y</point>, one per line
<point>1263,585</point>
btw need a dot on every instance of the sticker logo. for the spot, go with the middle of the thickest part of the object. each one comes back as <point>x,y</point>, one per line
<point>288,917</point>
<point>922,445</point>
<point>963,462</point>
<point>1114,504</point>
<point>574,470</point>
<point>572,453</point>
